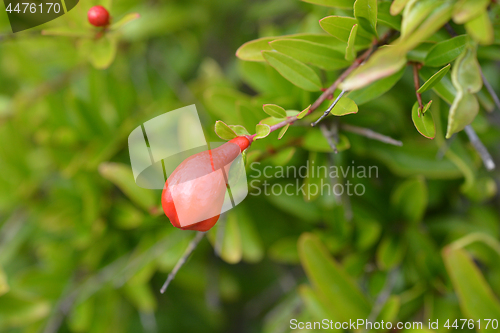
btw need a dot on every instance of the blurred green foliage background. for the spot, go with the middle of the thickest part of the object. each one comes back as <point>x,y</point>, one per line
<point>82,249</point>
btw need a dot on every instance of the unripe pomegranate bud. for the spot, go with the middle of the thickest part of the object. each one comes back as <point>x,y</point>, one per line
<point>194,193</point>
<point>98,16</point>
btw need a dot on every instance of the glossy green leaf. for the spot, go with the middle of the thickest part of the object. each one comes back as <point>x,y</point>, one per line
<point>223,131</point>
<point>385,17</point>
<point>390,252</point>
<point>381,64</point>
<point>443,88</point>
<point>375,89</point>
<point>328,278</point>
<point>350,51</point>
<point>340,27</point>
<point>477,300</point>
<point>410,199</point>
<point>293,70</point>
<point>261,131</point>
<point>252,50</point>
<point>344,106</point>
<point>315,54</point>
<point>124,20</point>
<point>434,79</point>
<point>424,123</point>
<point>481,29</point>
<point>466,10</point>
<point>303,113</point>
<point>445,52</point>
<point>283,131</point>
<point>397,6</point>
<point>343,4</point>
<point>239,130</point>
<point>274,110</point>
<point>365,11</point>
<point>121,175</point>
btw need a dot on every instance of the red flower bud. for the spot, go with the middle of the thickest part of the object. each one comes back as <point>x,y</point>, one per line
<point>198,187</point>
<point>98,16</point>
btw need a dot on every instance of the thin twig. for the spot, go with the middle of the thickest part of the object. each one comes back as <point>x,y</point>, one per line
<point>330,108</point>
<point>480,148</point>
<point>371,134</point>
<point>333,87</point>
<point>329,135</point>
<point>417,86</point>
<point>192,245</point>
<point>491,90</point>
<point>383,296</point>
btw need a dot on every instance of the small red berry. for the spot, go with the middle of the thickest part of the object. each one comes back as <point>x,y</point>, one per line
<point>98,16</point>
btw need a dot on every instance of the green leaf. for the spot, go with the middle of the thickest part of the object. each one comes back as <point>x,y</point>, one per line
<point>381,64</point>
<point>315,54</point>
<point>316,305</point>
<point>223,131</point>
<point>239,130</point>
<point>293,70</point>
<point>466,74</point>
<point>445,52</point>
<point>410,199</point>
<point>248,114</point>
<point>330,280</point>
<point>415,13</point>
<point>481,29</point>
<point>466,10</point>
<point>20,310</point>
<point>315,141</point>
<point>434,79</point>
<point>464,109</point>
<point>385,17</point>
<point>365,11</point>
<point>283,131</point>
<point>375,89</point>
<point>344,106</point>
<point>303,113</point>
<point>342,4</point>
<point>103,51</point>
<point>350,51</point>
<point>397,6</point>
<point>274,110</point>
<point>340,27</point>
<point>432,23</point>
<point>262,130</point>
<point>251,51</point>
<point>477,300</point>
<point>443,88</point>
<point>424,123</point>
<point>124,20</point>
<point>390,252</point>
<point>121,175</point>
